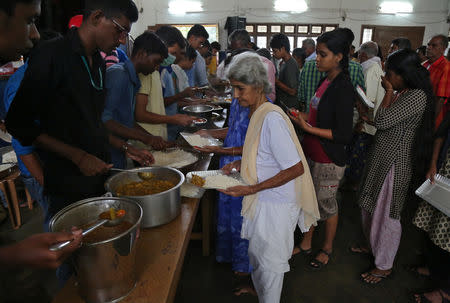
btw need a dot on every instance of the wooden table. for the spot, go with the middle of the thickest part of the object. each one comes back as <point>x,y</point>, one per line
<point>160,256</point>
<point>160,253</point>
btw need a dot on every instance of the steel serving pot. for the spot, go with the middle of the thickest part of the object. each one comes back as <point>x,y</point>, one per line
<point>105,270</point>
<point>159,208</point>
<point>199,110</point>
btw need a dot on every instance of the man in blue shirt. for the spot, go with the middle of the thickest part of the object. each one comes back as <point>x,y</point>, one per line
<point>196,36</point>
<point>122,84</point>
<point>176,46</point>
<point>29,164</point>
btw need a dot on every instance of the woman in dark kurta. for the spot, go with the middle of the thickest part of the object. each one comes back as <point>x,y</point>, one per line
<point>404,118</point>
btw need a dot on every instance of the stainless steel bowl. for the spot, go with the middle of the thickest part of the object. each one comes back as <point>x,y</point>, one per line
<point>106,270</point>
<point>199,110</point>
<point>159,208</point>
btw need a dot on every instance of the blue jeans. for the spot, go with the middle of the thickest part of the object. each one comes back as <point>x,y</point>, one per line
<point>37,194</point>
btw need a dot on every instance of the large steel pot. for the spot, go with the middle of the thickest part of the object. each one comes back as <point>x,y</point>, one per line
<point>158,208</point>
<point>106,270</point>
<point>199,110</point>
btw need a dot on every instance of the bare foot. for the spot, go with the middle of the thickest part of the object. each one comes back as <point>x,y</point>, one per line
<point>435,296</point>
<point>244,290</point>
<point>359,249</point>
<point>375,275</point>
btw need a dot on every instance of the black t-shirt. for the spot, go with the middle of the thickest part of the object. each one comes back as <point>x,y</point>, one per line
<point>57,97</point>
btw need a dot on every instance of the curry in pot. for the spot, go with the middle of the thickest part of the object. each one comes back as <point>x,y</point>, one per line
<point>144,188</point>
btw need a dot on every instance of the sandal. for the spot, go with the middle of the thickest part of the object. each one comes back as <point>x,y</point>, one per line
<point>301,251</point>
<point>318,265</point>
<point>369,274</point>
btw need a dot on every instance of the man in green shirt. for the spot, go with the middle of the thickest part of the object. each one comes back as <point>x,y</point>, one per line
<point>310,77</point>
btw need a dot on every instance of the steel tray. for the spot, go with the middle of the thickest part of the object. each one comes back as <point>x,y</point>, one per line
<point>207,173</point>
<point>437,194</point>
<point>212,141</point>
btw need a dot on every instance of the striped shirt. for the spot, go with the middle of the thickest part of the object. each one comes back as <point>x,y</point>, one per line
<point>310,77</point>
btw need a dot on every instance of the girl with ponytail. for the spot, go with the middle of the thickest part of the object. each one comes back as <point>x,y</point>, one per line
<point>398,159</point>
<point>328,128</point>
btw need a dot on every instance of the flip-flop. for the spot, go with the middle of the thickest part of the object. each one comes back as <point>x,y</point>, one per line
<point>316,264</point>
<point>380,276</point>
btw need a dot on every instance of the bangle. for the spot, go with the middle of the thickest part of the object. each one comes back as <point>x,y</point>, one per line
<point>232,151</point>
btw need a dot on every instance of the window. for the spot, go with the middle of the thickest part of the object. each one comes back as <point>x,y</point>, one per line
<point>295,32</point>
<point>303,29</point>
<point>275,28</point>
<point>367,35</point>
<point>289,28</point>
<point>316,29</point>
<point>262,28</point>
<point>291,41</point>
<point>261,42</point>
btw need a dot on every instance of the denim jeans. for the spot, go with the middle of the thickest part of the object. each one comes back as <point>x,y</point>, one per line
<point>37,194</point>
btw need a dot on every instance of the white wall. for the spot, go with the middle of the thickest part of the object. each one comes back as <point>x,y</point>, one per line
<point>430,13</point>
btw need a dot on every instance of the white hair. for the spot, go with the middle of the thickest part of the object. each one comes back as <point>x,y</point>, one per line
<point>249,69</point>
<point>369,48</point>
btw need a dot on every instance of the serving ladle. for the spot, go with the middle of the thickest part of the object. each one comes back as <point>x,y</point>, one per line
<point>106,222</point>
<point>144,175</point>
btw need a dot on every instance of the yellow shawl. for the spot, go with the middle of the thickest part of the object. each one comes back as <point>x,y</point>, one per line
<point>305,195</point>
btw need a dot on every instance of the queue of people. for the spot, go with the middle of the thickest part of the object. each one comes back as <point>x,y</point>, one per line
<point>72,117</point>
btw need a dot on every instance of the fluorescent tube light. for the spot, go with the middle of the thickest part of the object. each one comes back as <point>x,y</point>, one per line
<point>395,7</point>
<point>296,6</point>
<point>180,7</point>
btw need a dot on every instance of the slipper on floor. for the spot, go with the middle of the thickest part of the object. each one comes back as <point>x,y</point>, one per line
<point>316,264</point>
<point>382,277</point>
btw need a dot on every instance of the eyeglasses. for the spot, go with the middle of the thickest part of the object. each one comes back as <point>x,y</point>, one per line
<point>123,30</point>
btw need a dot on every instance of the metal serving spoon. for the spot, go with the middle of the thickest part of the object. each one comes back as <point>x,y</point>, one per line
<point>143,175</point>
<point>106,222</point>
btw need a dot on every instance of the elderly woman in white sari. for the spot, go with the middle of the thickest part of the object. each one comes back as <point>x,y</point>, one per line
<point>280,193</point>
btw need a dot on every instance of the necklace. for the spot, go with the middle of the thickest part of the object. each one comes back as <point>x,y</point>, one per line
<point>100,87</point>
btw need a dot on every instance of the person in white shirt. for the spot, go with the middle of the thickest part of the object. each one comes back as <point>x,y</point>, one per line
<point>371,65</point>
<point>310,49</point>
<point>280,194</point>
<point>186,62</point>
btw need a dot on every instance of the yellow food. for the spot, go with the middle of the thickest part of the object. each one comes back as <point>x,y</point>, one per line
<point>146,187</point>
<point>197,180</point>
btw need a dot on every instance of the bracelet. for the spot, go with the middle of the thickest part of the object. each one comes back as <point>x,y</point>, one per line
<point>232,151</point>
